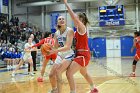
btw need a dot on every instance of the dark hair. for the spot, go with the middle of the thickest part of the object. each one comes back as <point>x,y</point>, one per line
<point>137,33</point>
<point>84,17</point>
<point>58,26</point>
<point>47,34</point>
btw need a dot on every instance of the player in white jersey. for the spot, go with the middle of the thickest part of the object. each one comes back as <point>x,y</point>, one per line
<point>26,57</point>
<point>63,41</point>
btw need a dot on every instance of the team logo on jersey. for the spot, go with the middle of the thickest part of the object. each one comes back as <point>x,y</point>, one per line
<point>60,39</point>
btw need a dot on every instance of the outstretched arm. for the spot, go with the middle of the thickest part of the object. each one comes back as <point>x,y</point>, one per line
<point>38,44</point>
<point>75,18</point>
<point>56,45</point>
<point>134,45</point>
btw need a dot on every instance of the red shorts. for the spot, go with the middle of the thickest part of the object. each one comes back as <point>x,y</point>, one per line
<point>137,56</point>
<point>82,58</point>
<point>52,56</point>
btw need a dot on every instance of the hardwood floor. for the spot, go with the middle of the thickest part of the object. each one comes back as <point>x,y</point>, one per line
<point>106,82</point>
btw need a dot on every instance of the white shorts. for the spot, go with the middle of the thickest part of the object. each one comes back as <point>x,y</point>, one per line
<point>67,57</point>
<point>26,57</point>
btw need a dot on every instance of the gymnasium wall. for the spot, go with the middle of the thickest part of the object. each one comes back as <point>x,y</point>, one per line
<point>99,35</point>
<point>130,16</point>
<point>47,21</point>
<point>34,16</point>
<point>35,12</point>
<point>98,46</point>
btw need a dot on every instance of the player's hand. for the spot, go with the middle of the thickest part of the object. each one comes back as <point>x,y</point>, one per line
<point>50,44</point>
<point>65,1</point>
<point>54,51</point>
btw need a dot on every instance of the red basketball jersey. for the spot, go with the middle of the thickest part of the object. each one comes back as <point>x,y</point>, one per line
<point>81,41</point>
<point>49,40</point>
<point>45,40</point>
<point>137,43</point>
<point>82,57</point>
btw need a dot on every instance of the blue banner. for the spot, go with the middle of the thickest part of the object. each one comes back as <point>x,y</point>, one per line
<point>5,2</point>
<point>54,17</point>
<point>0,6</point>
<point>112,23</point>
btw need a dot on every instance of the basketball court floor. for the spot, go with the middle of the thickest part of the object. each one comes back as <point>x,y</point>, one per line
<point>111,75</point>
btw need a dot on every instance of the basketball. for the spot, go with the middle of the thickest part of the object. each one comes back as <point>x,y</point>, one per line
<point>44,49</point>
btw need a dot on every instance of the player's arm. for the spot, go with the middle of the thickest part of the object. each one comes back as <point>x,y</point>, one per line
<point>39,44</point>
<point>75,18</point>
<point>56,45</point>
<point>134,45</point>
<point>68,43</point>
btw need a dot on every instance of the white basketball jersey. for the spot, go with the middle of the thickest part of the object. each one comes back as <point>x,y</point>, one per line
<point>62,40</point>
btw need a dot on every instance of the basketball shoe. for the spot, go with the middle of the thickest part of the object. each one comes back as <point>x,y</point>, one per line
<point>94,90</point>
<point>40,79</point>
<point>132,75</point>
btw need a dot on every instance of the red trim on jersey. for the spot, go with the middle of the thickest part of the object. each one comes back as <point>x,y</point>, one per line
<point>137,42</point>
<point>82,57</point>
<point>45,40</point>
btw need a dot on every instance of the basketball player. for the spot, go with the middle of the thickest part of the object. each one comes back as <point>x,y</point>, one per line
<point>63,38</point>
<point>136,45</point>
<point>47,39</point>
<point>26,57</point>
<point>82,57</point>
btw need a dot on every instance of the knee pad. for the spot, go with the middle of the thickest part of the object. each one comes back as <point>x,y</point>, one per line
<point>134,62</point>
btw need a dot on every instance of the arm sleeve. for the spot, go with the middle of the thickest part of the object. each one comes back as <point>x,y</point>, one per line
<point>40,43</point>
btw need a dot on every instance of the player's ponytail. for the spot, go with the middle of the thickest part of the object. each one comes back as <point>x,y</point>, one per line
<point>137,33</point>
<point>84,18</point>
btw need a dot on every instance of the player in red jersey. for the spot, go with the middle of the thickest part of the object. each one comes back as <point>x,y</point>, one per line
<point>47,39</point>
<point>82,58</point>
<point>136,45</point>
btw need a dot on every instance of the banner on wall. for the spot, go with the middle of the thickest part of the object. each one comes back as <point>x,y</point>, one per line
<point>0,5</point>
<point>4,6</point>
<point>54,17</point>
<point>5,2</point>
